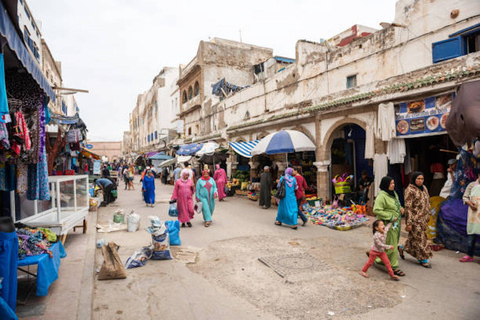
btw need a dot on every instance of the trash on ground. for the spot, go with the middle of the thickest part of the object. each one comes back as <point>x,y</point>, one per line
<point>119,216</point>
<point>331,313</point>
<point>111,227</point>
<point>139,258</point>
<point>186,256</point>
<point>112,267</point>
<point>133,222</point>
<point>101,243</point>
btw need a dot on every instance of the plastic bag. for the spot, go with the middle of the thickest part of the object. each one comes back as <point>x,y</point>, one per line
<point>172,210</point>
<point>133,222</point>
<point>118,216</point>
<point>198,207</point>
<point>160,249</point>
<point>174,232</point>
<point>139,258</point>
<point>155,221</point>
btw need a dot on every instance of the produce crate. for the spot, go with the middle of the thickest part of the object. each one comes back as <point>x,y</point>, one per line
<point>242,192</point>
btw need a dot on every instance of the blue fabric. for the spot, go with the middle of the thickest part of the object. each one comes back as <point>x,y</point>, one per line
<point>280,143</point>
<point>7,30</point>
<point>174,232</point>
<point>47,270</point>
<point>287,208</point>
<point>103,182</point>
<point>149,187</point>
<point>47,113</point>
<point>3,89</point>
<point>189,149</point>
<point>205,191</point>
<point>159,156</point>
<point>8,267</point>
<point>6,313</point>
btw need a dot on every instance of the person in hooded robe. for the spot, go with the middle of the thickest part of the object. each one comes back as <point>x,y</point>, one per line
<point>206,192</point>
<point>265,200</point>
<point>387,207</point>
<point>183,194</point>
<point>220,178</point>
<point>148,189</point>
<point>287,208</point>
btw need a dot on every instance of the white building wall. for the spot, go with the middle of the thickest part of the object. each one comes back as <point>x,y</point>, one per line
<point>27,21</point>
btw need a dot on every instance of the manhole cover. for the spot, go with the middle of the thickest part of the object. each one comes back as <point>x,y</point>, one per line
<point>292,264</point>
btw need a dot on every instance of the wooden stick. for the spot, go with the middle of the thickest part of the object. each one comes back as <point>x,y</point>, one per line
<point>449,151</point>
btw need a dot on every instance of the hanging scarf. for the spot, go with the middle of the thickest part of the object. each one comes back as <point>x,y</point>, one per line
<point>415,175</point>
<point>385,184</point>
<point>288,177</point>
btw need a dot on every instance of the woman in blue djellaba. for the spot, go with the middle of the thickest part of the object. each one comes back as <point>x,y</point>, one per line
<point>287,208</point>
<point>148,189</point>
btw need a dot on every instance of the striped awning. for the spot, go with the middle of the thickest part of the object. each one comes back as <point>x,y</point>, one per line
<point>244,148</point>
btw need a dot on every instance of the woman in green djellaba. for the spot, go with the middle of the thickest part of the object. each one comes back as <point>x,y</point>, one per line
<point>387,207</point>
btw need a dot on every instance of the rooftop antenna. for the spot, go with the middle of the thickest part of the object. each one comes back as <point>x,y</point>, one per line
<point>240,31</point>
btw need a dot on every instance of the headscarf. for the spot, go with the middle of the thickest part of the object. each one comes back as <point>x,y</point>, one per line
<point>266,168</point>
<point>203,174</point>
<point>185,172</point>
<point>385,184</point>
<point>415,175</point>
<point>288,177</point>
<point>217,166</point>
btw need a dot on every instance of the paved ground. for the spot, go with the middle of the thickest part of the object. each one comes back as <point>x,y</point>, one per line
<point>227,281</point>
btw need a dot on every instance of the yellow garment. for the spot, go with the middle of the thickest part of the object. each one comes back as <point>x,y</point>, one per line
<point>435,203</point>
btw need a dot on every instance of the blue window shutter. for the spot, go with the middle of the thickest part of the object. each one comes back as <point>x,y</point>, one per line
<point>448,49</point>
<point>156,135</point>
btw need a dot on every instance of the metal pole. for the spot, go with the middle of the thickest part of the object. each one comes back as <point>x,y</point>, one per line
<point>58,201</point>
<point>12,206</point>
<point>75,194</point>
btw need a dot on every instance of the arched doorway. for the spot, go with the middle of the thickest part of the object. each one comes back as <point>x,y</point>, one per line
<point>347,153</point>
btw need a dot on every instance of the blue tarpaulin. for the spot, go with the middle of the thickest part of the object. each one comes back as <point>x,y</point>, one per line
<point>47,270</point>
<point>7,30</point>
<point>8,268</point>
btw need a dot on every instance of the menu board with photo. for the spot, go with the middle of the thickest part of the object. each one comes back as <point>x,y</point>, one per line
<point>423,116</point>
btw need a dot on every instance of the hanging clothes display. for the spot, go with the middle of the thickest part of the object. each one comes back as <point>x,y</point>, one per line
<point>380,169</point>
<point>3,90</point>
<point>396,151</point>
<point>386,121</point>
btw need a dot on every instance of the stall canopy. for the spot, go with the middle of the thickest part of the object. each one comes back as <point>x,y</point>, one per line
<point>244,148</point>
<point>159,156</point>
<point>168,162</point>
<point>189,149</point>
<point>285,141</point>
<point>151,154</point>
<point>89,154</point>
<point>182,159</point>
<point>16,44</point>
<point>207,148</point>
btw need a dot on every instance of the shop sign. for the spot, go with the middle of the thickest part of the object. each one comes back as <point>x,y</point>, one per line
<point>428,115</point>
<point>89,146</point>
<point>96,166</point>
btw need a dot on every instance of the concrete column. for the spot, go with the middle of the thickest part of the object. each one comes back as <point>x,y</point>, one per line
<point>323,181</point>
<point>282,166</point>
<point>253,166</point>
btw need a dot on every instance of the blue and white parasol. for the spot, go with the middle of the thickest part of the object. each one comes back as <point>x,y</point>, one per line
<point>285,141</point>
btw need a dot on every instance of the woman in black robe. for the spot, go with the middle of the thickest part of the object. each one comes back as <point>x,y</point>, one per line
<point>265,200</point>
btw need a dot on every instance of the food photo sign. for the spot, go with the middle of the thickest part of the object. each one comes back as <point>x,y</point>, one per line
<point>423,116</point>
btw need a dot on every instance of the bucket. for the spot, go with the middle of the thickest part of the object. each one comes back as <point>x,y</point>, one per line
<point>342,187</point>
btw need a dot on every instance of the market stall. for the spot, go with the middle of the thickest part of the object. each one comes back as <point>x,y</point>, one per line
<point>67,208</point>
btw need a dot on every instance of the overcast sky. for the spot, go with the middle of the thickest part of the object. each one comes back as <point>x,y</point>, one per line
<point>114,48</point>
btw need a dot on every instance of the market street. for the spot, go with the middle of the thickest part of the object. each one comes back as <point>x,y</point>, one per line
<point>228,282</point>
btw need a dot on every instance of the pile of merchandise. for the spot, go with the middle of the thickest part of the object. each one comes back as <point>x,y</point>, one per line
<point>335,218</point>
<point>33,242</point>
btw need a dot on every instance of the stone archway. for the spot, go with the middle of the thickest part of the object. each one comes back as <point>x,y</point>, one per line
<point>303,130</point>
<point>323,155</point>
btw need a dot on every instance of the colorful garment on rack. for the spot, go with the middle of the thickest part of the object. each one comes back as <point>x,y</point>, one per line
<point>3,90</point>
<point>21,135</point>
<point>7,177</point>
<point>22,178</point>
<point>4,142</point>
<point>38,188</point>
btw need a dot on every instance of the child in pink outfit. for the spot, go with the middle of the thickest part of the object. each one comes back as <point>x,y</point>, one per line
<point>378,249</point>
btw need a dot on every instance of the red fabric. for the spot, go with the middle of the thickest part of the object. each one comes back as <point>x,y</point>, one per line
<point>302,185</point>
<point>220,178</point>
<point>383,256</point>
<point>183,193</point>
<point>436,167</point>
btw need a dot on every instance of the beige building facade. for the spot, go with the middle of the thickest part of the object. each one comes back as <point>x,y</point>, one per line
<point>112,150</point>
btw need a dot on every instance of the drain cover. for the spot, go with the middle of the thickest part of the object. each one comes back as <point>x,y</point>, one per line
<point>292,264</point>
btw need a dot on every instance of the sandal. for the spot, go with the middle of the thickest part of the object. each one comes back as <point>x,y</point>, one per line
<point>400,252</point>
<point>395,278</point>
<point>363,274</point>
<point>278,223</point>
<point>207,224</point>
<point>399,273</point>
<point>183,225</point>
<point>466,259</point>
<point>294,227</point>
<point>189,224</point>
<point>425,264</point>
